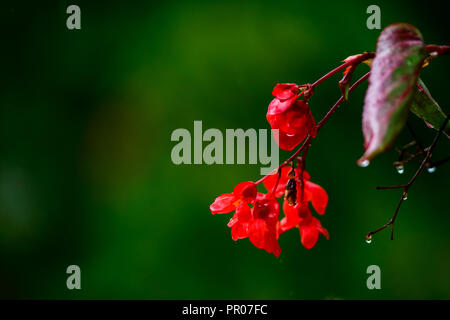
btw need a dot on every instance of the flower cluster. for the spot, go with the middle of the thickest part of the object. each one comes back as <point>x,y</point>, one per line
<point>394,90</point>
<point>257,214</point>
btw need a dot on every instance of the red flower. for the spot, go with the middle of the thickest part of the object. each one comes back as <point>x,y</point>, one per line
<point>227,202</point>
<point>259,223</point>
<point>290,116</point>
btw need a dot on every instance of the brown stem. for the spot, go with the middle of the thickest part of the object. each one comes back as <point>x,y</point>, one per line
<point>274,189</point>
<point>302,161</point>
<point>402,186</point>
<point>358,60</point>
<point>341,99</point>
<point>437,50</point>
<point>419,144</point>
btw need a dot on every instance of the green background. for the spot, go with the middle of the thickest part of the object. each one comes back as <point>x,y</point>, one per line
<point>86,176</point>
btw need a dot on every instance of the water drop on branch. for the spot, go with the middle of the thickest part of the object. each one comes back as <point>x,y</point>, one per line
<point>400,169</point>
<point>431,169</point>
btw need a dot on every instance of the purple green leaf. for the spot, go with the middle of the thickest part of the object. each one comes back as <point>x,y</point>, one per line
<point>394,73</point>
<point>425,107</point>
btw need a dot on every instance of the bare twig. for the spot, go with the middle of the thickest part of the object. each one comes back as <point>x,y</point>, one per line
<point>407,186</point>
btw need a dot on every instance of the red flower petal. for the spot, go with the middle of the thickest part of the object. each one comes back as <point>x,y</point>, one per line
<point>246,191</point>
<point>291,219</point>
<point>285,91</point>
<point>242,214</point>
<point>278,106</point>
<point>239,230</point>
<point>257,233</point>
<point>266,207</point>
<point>319,196</point>
<point>223,203</point>
<point>296,119</point>
<point>309,236</point>
<point>239,222</point>
<point>263,236</point>
<point>309,232</point>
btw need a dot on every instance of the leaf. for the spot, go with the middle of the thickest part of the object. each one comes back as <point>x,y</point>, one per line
<point>354,61</point>
<point>425,107</point>
<point>393,77</point>
<point>344,84</point>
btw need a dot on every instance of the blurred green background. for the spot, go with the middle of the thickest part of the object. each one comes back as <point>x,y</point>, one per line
<point>86,176</point>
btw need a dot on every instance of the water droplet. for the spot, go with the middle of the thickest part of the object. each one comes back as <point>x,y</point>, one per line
<point>400,169</point>
<point>364,163</point>
<point>368,238</point>
<point>405,196</point>
<point>431,169</point>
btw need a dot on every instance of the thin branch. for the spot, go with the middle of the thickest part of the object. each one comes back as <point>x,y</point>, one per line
<point>361,58</point>
<point>436,50</point>
<point>274,189</point>
<point>407,186</point>
<point>341,99</point>
<point>419,144</point>
<point>301,161</point>
<point>402,186</point>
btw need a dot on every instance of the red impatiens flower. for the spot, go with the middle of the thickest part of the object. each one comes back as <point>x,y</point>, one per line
<point>299,215</point>
<point>258,223</point>
<point>227,202</point>
<point>290,116</point>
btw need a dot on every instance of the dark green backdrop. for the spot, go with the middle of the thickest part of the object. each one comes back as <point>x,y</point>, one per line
<point>86,176</point>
